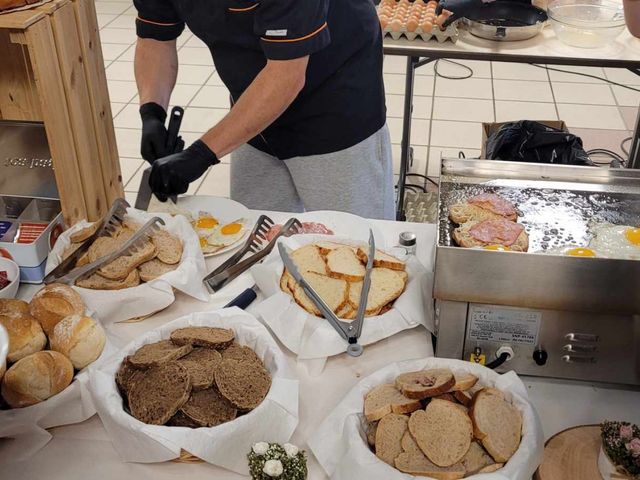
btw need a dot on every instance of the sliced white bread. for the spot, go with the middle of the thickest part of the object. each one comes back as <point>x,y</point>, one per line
<point>386,286</point>
<point>326,247</point>
<point>476,459</point>
<point>342,262</point>
<point>308,259</point>
<point>333,291</point>
<point>497,423</point>
<point>345,312</point>
<point>381,259</point>
<point>389,433</point>
<point>463,238</point>
<point>385,399</point>
<point>464,398</point>
<point>284,281</point>
<point>442,431</point>
<point>425,383</point>
<point>464,381</point>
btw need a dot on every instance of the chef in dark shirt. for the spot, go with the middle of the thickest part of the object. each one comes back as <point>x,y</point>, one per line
<point>307,128</point>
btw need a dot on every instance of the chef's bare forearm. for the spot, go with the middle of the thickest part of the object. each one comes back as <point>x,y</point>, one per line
<point>156,69</point>
<point>268,96</point>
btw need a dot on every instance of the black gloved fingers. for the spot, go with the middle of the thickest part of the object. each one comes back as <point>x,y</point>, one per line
<point>439,9</point>
<point>452,18</point>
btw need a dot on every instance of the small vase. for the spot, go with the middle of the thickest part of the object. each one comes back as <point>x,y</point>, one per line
<point>632,16</point>
<point>607,468</point>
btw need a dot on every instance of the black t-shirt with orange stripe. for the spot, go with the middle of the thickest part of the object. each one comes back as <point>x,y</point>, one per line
<point>342,102</point>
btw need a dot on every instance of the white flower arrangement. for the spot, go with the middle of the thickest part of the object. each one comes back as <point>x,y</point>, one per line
<point>269,461</point>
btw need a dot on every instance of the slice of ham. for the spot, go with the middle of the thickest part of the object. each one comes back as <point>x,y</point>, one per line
<point>494,203</point>
<point>503,232</point>
<point>307,227</point>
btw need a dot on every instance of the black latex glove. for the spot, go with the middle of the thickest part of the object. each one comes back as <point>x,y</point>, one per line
<point>172,175</point>
<point>458,8</point>
<point>154,133</point>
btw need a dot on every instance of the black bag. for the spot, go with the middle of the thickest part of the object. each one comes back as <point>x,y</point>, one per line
<point>528,141</point>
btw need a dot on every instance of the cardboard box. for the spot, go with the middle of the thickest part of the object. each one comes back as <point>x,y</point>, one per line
<point>490,128</point>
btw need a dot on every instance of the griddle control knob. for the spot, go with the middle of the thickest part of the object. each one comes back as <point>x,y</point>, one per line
<point>540,356</point>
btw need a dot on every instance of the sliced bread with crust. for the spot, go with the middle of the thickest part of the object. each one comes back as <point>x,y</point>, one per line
<point>126,377</point>
<point>121,267</point>
<point>83,234</point>
<point>463,397</point>
<point>389,433</point>
<point>308,259</point>
<point>207,408</point>
<point>201,364</point>
<point>425,383</point>
<point>491,468</point>
<point>168,247</point>
<point>285,279</point>
<point>208,337</point>
<point>386,286</point>
<point>153,269</point>
<point>346,312</point>
<point>333,291</point>
<point>96,281</point>
<point>241,353</point>
<point>343,263</point>
<point>158,353</point>
<point>476,459</point>
<point>102,246</point>
<point>442,431</point>
<point>497,423</point>
<point>160,393</point>
<point>381,259</point>
<point>244,384</point>
<point>464,381</point>
<point>326,247</point>
<point>465,212</point>
<point>385,399</point>
<point>418,464</point>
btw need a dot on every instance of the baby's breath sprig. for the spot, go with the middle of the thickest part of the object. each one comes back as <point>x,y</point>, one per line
<point>269,461</point>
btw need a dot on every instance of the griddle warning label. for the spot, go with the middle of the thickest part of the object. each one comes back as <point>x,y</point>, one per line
<point>504,325</point>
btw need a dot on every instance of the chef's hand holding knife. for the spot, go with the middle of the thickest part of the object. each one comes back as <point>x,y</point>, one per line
<point>459,9</point>
<point>154,133</point>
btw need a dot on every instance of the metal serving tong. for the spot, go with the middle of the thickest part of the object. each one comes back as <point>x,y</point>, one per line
<point>130,247</point>
<point>220,277</point>
<point>114,219</point>
<point>350,331</point>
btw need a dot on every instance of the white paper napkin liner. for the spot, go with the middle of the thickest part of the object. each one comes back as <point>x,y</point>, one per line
<point>147,298</point>
<point>226,445</point>
<point>27,426</point>
<point>313,337</point>
<point>340,443</point>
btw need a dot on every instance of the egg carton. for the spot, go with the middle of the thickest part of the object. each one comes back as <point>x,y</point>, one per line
<point>449,33</point>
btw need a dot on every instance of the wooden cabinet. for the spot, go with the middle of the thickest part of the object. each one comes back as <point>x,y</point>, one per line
<point>52,70</point>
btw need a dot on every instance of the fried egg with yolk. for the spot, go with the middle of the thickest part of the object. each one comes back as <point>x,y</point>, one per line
<point>228,234</point>
<point>616,241</point>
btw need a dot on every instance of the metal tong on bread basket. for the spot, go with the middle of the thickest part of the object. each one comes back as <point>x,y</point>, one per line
<point>227,272</point>
<point>350,331</point>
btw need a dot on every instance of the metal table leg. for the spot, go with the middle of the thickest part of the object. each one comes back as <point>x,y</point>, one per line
<point>634,149</point>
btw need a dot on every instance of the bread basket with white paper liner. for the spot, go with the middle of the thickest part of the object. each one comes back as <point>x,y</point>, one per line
<point>225,445</point>
<point>146,298</point>
<point>27,426</point>
<point>313,337</point>
<point>340,442</point>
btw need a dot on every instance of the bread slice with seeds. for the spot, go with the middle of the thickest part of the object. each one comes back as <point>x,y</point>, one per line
<point>389,433</point>
<point>244,384</point>
<point>385,399</point>
<point>158,353</point>
<point>207,408</point>
<point>425,383</point>
<point>208,337</point>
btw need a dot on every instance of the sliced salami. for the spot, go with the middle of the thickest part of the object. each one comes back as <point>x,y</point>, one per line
<point>503,232</point>
<point>307,227</point>
<point>494,203</point>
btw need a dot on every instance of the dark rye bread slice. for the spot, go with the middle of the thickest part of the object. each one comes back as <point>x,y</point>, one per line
<point>241,353</point>
<point>126,377</point>
<point>157,353</point>
<point>207,408</point>
<point>201,364</point>
<point>181,420</point>
<point>208,337</point>
<point>244,384</point>
<point>160,393</point>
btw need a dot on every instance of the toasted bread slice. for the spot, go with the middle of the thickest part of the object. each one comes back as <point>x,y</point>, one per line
<point>98,282</point>
<point>385,399</point>
<point>208,337</point>
<point>463,237</point>
<point>308,259</point>
<point>168,247</point>
<point>381,259</point>
<point>121,267</point>
<point>476,459</point>
<point>464,381</point>
<point>386,286</point>
<point>342,262</point>
<point>153,269</point>
<point>425,383</point>
<point>389,433</point>
<point>497,423</point>
<point>465,212</point>
<point>333,291</point>
<point>442,431</point>
<point>158,353</point>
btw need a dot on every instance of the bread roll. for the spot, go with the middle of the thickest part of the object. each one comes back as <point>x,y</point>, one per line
<point>80,339</point>
<point>25,335</point>
<point>10,306</point>
<point>53,303</point>
<point>36,378</point>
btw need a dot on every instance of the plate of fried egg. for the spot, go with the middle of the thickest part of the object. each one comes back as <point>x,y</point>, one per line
<point>608,241</point>
<point>221,223</point>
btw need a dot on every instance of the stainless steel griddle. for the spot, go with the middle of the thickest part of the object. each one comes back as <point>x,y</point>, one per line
<point>565,317</point>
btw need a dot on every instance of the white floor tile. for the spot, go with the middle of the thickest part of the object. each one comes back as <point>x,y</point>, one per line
<point>182,95</point>
<point>129,167</point>
<point>122,71</point>
<point>463,109</point>
<point>438,153</point>
<point>129,117</point>
<point>518,71</point>
<point>217,181</point>
<point>124,22</point>
<point>215,80</point>
<point>133,185</point>
<point>128,140</point>
<point>622,75</point>
<point>507,111</point>
<point>469,88</point>
<point>456,134</point>
<point>117,108</point>
<point>214,97</point>
<point>398,64</point>
<point>419,131</point>
<point>105,18</point>
<point>522,90</point>
<point>421,106</point>
<point>113,8</point>
<point>591,116</point>
<point>572,78</point>
<point>479,69</point>
<point>106,63</point>
<point>200,120</point>
<point>129,54</point>
<point>122,91</point>
<point>195,56</point>
<point>118,35</point>
<point>394,84</point>
<point>131,197</point>
<point>419,159</point>
<point>194,42</point>
<point>626,97</point>
<point>587,93</point>
<point>185,37</point>
<point>111,51</point>
<point>193,74</point>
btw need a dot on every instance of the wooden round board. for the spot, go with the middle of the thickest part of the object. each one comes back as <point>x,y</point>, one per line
<point>572,455</point>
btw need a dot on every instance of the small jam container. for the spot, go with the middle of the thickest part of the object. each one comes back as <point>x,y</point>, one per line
<point>407,240</point>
